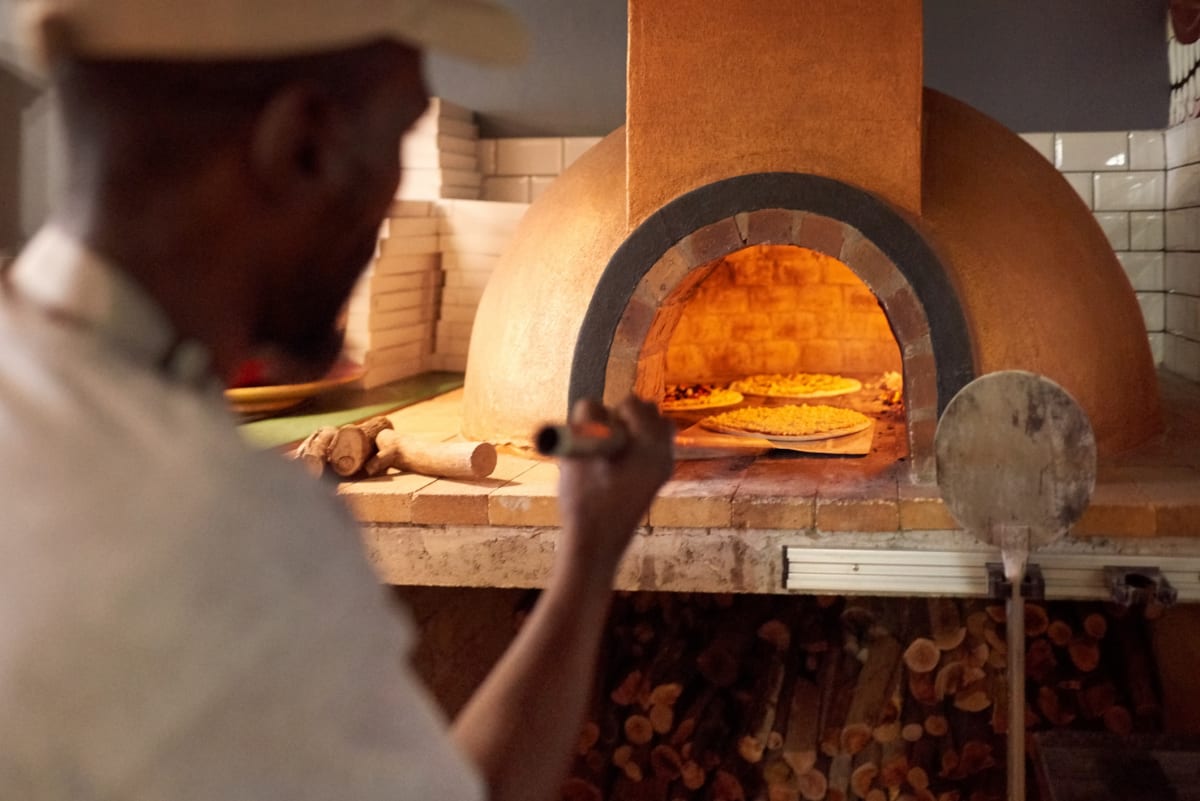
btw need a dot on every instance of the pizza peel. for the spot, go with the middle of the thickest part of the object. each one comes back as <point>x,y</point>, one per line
<point>1016,464</point>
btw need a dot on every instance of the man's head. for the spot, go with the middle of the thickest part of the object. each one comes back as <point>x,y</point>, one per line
<point>237,156</point>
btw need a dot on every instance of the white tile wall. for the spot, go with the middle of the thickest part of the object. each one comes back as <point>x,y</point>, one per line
<point>1181,273</point>
<point>1094,152</point>
<point>1183,229</point>
<point>1115,225</point>
<point>1146,150</point>
<point>1145,270</point>
<point>1183,186</point>
<point>576,146</point>
<point>1183,144</point>
<point>1128,191</point>
<point>1153,309</point>
<point>1042,143</point>
<point>1146,230</point>
<point>1082,182</point>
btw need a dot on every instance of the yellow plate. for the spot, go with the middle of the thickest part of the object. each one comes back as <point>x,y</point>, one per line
<point>276,398</point>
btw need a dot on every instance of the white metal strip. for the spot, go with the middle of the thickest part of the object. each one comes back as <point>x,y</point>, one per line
<point>918,572</point>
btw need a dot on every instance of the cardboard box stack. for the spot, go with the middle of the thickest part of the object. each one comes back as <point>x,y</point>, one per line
<point>391,312</point>
<point>471,235</point>
<point>439,155</point>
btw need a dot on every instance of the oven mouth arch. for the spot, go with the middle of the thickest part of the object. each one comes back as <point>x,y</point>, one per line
<point>732,199</point>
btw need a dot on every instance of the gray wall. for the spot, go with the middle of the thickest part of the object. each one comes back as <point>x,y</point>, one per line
<point>1035,65</point>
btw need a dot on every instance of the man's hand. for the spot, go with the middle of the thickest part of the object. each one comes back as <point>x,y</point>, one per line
<point>602,499</point>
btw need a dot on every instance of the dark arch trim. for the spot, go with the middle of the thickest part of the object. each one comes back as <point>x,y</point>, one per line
<point>952,347</point>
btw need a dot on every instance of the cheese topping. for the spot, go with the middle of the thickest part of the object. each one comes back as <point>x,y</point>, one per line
<point>789,421</point>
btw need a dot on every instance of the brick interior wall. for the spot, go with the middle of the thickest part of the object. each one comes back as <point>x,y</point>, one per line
<point>779,308</point>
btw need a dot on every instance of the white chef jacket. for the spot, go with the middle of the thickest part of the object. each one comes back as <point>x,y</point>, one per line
<point>180,617</point>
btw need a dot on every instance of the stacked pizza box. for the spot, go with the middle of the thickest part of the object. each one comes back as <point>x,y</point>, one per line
<point>439,155</point>
<point>391,312</point>
<point>471,234</point>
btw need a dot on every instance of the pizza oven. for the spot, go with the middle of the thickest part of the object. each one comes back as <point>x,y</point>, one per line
<point>786,164</point>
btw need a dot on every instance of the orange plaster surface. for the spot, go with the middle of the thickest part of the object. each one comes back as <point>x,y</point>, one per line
<point>711,95</point>
<point>1038,281</point>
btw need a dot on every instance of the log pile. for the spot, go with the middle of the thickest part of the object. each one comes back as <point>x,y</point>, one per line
<point>373,447</point>
<point>791,698</point>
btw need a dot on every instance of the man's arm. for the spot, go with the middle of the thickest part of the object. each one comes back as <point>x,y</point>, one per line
<point>520,725</point>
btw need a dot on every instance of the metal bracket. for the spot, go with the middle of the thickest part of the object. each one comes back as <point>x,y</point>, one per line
<point>1130,586</point>
<point>1033,585</point>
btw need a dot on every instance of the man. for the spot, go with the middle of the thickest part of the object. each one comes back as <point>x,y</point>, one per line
<point>181,618</point>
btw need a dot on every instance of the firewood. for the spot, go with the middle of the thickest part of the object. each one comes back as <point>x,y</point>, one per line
<point>638,729</point>
<point>948,680</point>
<point>662,718</point>
<point>1050,706</point>
<point>977,655</point>
<point>1040,661</point>
<point>693,775</point>
<point>917,778</point>
<point>886,733</point>
<point>945,623</point>
<point>974,756</point>
<point>761,719</point>
<point>977,621</point>
<point>911,732</point>
<point>777,633</point>
<point>665,761</point>
<point>1059,632</point>
<point>1140,678</point>
<point>1097,698</point>
<point>1085,653</point>
<point>626,693</point>
<point>314,450</point>
<point>813,785</point>
<point>465,460</point>
<point>856,737</point>
<point>841,767</point>
<point>1096,625</point>
<point>575,789</point>
<point>862,778</point>
<point>800,741</point>
<point>973,698</point>
<point>588,737</point>
<point>996,644</point>
<point>937,726</point>
<point>1036,620</point>
<point>921,655</point>
<point>353,445</point>
<point>726,787</point>
<point>997,613</point>
<point>894,771</point>
<point>782,792</point>
<point>1118,720</point>
<point>875,794</point>
<point>666,694</point>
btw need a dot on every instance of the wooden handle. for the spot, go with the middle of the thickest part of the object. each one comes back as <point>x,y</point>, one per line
<point>589,439</point>
<point>441,459</point>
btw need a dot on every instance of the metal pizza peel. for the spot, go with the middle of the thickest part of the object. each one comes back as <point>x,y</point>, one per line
<point>1016,464</point>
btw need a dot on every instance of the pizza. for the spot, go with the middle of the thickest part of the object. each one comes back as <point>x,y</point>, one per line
<point>796,385</point>
<point>681,397</point>
<point>796,422</point>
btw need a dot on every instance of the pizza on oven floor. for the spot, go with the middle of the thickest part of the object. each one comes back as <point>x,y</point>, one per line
<point>796,385</point>
<point>795,422</point>
<point>682,397</point>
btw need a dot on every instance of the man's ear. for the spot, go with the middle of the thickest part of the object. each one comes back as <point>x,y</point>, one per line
<point>299,144</point>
